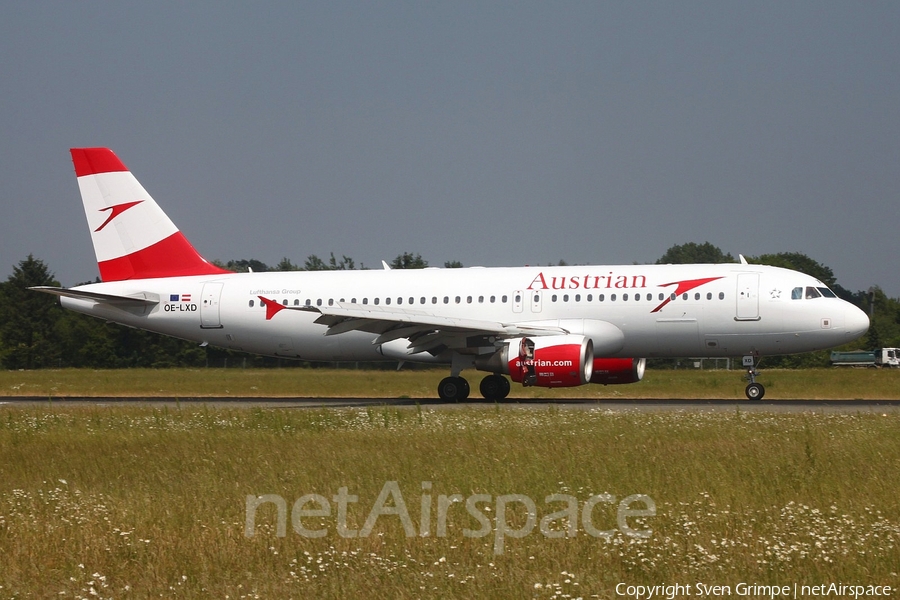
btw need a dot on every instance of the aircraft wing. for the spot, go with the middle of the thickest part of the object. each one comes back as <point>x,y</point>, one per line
<point>425,331</point>
<point>143,299</point>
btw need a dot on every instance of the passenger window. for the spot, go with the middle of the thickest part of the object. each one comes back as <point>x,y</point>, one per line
<point>413,300</point>
<point>612,297</point>
<point>721,295</point>
<point>601,297</point>
<point>697,296</point>
<point>308,302</point>
<point>518,297</point>
<point>296,302</point>
<point>565,297</point>
<point>661,296</point>
<point>553,298</point>
<point>376,300</point>
<point>456,300</point>
<point>709,296</point>
<point>365,300</point>
<point>446,299</point>
<point>480,299</point>
<point>625,297</point>
<point>504,298</point>
<point>577,297</point>
<point>318,302</point>
<point>330,302</point>
<point>434,299</point>
<point>422,300</point>
<point>797,293</point>
<point>251,304</point>
<point>684,296</point>
<point>590,297</point>
<point>386,301</point>
<point>399,300</point>
<point>493,298</point>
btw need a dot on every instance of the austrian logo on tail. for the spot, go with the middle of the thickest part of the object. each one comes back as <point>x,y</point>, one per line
<point>115,211</point>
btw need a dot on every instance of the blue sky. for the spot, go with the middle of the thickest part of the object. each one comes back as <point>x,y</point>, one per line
<point>489,133</point>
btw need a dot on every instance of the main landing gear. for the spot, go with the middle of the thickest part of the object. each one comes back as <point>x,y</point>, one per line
<point>754,391</point>
<point>455,388</point>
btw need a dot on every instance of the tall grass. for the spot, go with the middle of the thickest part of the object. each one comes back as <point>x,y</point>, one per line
<point>139,501</point>
<point>347,383</point>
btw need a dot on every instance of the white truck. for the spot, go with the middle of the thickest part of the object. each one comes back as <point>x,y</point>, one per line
<point>881,357</point>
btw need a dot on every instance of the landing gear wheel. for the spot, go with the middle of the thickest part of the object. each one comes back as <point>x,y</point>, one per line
<point>494,387</point>
<point>453,388</point>
<point>755,391</point>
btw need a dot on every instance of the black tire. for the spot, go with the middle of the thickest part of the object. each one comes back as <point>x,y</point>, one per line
<point>494,387</point>
<point>464,389</point>
<point>755,391</point>
<point>453,389</point>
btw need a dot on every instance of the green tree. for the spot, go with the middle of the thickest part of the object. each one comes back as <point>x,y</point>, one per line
<point>285,265</point>
<point>243,266</point>
<point>345,264</point>
<point>408,261</point>
<point>693,253</point>
<point>28,318</point>
<point>453,264</point>
<point>314,263</point>
<point>797,261</point>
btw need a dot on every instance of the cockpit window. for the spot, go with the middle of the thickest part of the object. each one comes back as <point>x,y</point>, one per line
<point>827,293</point>
<point>797,293</point>
<point>812,292</point>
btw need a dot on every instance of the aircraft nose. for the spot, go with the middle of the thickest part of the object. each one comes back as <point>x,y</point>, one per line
<point>856,322</point>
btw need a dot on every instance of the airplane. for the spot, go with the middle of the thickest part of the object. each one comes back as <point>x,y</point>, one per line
<point>536,326</point>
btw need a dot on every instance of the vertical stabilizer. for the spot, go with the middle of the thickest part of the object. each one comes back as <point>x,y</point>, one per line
<point>133,238</point>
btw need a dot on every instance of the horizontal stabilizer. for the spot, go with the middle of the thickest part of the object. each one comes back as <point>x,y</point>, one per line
<point>143,299</point>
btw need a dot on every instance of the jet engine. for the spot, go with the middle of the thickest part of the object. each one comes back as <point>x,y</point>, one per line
<point>551,361</point>
<point>618,370</point>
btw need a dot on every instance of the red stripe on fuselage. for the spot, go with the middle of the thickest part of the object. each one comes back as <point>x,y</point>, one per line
<point>172,257</point>
<point>683,286</point>
<point>90,161</point>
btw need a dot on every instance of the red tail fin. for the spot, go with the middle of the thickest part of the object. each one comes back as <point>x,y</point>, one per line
<point>133,238</point>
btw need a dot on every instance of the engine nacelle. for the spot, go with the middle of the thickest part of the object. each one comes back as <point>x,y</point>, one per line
<point>551,361</point>
<point>618,370</point>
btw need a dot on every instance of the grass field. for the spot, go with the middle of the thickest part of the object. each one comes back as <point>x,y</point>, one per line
<point>137,501</point>
<point>345,383</point>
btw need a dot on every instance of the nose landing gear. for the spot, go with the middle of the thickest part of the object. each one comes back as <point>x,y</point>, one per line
<point>754,390</point>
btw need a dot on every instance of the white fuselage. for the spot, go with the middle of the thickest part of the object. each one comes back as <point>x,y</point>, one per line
<point>718,310</point>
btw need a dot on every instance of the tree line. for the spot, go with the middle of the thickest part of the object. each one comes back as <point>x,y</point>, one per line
<point>36,332</point>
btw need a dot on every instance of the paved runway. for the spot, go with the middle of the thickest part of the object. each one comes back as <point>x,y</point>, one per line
<point>658,404</point>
